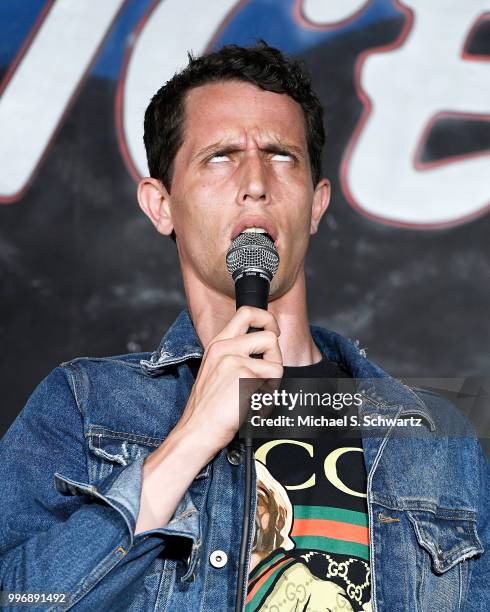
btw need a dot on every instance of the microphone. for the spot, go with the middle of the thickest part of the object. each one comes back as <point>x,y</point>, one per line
<point>252,260</point>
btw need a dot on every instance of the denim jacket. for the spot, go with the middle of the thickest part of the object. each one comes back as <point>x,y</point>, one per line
<point>71,474</point>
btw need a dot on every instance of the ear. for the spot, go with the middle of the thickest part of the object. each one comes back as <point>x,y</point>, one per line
<point>321,200</point>
<point>154,201</point>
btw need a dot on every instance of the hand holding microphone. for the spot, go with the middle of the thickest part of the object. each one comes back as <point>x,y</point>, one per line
<point>212,408</point>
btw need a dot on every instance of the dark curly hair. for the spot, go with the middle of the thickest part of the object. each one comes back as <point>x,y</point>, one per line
<point>261,65</point>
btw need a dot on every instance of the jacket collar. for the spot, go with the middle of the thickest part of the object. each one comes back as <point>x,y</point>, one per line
<point>374,383</point>
<point>181,343</point>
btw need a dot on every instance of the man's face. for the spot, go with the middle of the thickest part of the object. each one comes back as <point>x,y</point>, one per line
<point>243,161</point>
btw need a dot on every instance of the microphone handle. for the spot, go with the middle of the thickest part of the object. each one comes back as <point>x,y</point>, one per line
<point>252,289</point>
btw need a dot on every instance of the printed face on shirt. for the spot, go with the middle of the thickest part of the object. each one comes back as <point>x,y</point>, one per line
<point>244,154</point>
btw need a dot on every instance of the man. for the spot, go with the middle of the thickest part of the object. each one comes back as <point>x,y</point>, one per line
<point>143,448</point>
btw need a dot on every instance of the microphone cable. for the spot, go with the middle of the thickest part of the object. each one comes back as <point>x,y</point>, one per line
<point>252,260</point>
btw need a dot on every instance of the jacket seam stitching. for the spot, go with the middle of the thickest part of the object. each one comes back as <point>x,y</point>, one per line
<point>108,433</point>
<point>70,369</point>
<point>448,513</point>
<point>73,386</point>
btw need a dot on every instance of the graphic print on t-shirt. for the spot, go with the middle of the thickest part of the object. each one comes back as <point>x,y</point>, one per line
<point>310,550</point>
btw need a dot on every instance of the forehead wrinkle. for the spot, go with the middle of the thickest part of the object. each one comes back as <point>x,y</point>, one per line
<point>271,137</point>
<point>246,142</point>
<point>226,141</point>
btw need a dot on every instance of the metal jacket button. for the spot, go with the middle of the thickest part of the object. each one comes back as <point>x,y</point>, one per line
<point>218,558</point>
<point>234,456</point>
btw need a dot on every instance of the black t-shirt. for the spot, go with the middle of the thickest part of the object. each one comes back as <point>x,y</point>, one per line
<point>310,549</point>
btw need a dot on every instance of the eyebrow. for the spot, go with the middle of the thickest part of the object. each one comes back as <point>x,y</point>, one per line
<point>271,147</point>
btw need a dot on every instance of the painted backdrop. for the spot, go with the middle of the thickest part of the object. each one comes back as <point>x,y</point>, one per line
<point>401,260</point>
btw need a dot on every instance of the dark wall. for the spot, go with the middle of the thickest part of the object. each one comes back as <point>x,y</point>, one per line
<point>82,272</point>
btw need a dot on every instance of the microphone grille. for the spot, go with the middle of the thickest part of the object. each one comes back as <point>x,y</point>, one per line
<point>252,250</point>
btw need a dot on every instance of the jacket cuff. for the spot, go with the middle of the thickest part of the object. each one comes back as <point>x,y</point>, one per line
<point>121,491</point>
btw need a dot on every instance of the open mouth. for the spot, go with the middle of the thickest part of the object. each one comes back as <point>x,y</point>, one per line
<point>257,230</point>
<point>259,226</point>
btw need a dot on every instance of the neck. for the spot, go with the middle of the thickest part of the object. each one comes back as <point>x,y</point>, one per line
<point>210,311</point>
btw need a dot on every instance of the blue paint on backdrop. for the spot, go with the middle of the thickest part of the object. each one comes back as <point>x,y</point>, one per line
<point>272,20</point>
<point>111,57</point>
<point>16,21</point>
<point>17,17</point>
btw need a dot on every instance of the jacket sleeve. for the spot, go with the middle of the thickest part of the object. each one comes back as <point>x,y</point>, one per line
<point>478,594</point>
<point>61,534</point>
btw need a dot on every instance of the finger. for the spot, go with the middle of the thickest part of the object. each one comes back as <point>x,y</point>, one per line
<point>248,316</point>
<point>257,343</point>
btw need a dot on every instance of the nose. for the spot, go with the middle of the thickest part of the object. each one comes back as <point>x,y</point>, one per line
<point>254,184</point>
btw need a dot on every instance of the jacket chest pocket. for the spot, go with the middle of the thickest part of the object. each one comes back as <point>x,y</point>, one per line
<point>446,538</point>
<point>109,450</point>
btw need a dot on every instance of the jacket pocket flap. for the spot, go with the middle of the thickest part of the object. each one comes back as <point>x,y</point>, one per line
<point>123,448</point>
<point>119,447</point>
<point>449,537</point>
